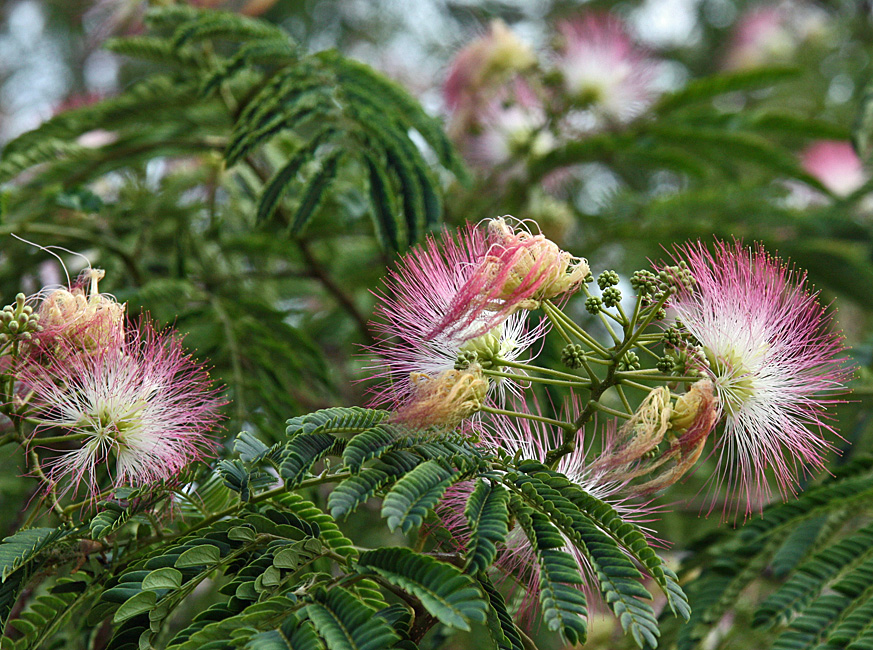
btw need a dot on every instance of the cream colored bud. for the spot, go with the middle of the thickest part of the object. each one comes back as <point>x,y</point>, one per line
<point>536,262</point>
<point>85,320</point>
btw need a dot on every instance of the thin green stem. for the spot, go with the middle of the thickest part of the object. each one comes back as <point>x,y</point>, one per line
<point>623,398</point>
<point>529,416</point>
<point>546,371</point>
<point>619,414</point>
<point>52,440</point>
<point>653,376</point>
<point>572,327</point>
<point>557,323</point>
<point>539,380</point>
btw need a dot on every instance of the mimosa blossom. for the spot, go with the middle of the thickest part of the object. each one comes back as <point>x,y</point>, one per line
<point>140,407</point>
<point>774,363</point>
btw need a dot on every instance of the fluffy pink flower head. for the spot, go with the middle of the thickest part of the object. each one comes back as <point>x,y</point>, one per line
<point>533,440</point>
<point>772,358</point>
<point>603,69</point>
<point>414,338</point>
<point>836,165</point>
<point>140,406</point>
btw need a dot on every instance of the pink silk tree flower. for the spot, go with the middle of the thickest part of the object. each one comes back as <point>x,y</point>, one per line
<point>418,297</point>
<point>774,363</point>
<point>520,270</point>
<point>81,317</point>
<point>533,440</point>
<point>836,165</point>
<point>774,33</point>
<point>141,407</point>
<point>603,69</point>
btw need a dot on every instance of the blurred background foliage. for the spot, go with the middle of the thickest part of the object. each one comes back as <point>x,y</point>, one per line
<point>262,240</point>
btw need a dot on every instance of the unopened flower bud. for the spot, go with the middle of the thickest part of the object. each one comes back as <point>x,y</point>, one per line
<point>630,361</point>
<point>573,355</point>
<point>593,305</point>
<point>611,296</point>
<point>607,279</point>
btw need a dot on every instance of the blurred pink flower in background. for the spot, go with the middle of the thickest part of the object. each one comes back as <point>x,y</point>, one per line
<point>836,165</point>
<point>511,127</point>
<point>481,68</point>
<point>773,33</point>
<point>602,69</point>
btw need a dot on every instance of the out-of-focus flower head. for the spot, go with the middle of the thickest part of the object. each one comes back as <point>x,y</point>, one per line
<point>773,361</point>
<point>137,409</point>
<point>510,128</point>
<point>773,33</point>
<point>80,318</point>
<point>602,69</point>
<point>836,165</point>
<point>415,341</point>
<point>482,67</point>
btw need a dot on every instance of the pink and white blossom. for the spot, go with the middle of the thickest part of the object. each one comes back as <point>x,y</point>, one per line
<point>420,300</point>
<point>507,130</point>
<point>775,364</point>
<point>603,69</point>
<point>773,33</point>
<point>139,409</point>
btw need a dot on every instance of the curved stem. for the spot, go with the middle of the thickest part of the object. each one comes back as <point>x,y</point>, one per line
<point>546,371</point>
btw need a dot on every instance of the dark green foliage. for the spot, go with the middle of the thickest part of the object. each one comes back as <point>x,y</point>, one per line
<point>347,624</point>
<point>822,559</point>
<point>445,592</point>
<point>488,518</point>
<point>563,602</point>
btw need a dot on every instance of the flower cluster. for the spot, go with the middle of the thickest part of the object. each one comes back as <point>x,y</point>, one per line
<point>772,359</point>
<point>502,99</point>
<point>748,360</point>
<point>456,305</point>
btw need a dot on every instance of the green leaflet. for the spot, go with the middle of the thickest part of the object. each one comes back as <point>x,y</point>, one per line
<point>448,594</point>
<point>347,624</point>
<point>487,516</point>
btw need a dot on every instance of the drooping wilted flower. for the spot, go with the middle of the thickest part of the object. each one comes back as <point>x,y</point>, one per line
<point>140,407</point>
<point>602,69</point>
<point>773,361</point>
<point>836,165</point>
<point>419,296</point>
<point>519,271</point>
